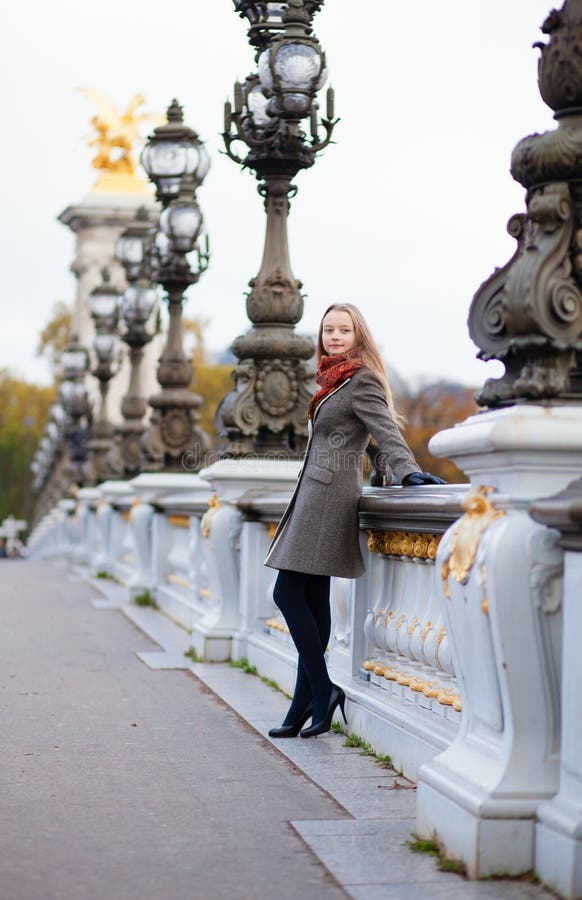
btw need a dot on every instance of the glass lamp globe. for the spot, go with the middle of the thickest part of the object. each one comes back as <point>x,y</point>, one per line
<point>257,106</point>
<point>106,347</point>
<point>103,303</point>
<point>292,72</point>
<point>74,361</point>
<point>129,250</point>
<point>181,223</point>
<point>74,397</point>
<point>173,152</point>
<point>138,303</point>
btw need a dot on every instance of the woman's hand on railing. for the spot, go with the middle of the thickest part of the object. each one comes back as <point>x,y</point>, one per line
<point>413,479</point>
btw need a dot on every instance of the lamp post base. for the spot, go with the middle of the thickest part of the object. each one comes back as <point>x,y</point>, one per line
<point>174,441</point>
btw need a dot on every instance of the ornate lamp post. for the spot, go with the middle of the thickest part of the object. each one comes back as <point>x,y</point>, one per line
<point>176,161</point>
<point>103,302</point>
<point>529,312</point>
<point>74,399</point>
<point>265,412</point>
<point>136,309</point>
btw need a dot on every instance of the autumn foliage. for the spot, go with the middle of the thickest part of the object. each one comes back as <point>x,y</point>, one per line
<point>23,413</point>
<point>433,408</point>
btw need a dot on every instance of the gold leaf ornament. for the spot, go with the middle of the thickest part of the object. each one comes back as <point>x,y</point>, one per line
<point>479,514</point>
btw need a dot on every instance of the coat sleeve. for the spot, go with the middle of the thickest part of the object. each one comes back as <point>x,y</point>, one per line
<point>370,406</point>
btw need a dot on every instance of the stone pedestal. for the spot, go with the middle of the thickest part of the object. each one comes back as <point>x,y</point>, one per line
<point>501,588</point>
<point>110,492</point>
<point>221,533</point>
<point>67,509</point>
<point>87,499</point>
<point>183,495</point>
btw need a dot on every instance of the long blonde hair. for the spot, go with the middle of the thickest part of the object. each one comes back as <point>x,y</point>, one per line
<point>365,346</point>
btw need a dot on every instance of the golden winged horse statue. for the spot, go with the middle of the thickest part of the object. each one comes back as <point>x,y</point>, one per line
<point>117,133</point>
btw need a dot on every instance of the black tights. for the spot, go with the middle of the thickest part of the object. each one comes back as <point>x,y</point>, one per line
<point>304,601</point>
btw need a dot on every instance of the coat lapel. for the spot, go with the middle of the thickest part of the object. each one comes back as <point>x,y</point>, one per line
<point>335,390</point>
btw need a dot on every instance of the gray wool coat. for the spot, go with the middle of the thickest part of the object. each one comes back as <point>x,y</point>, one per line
<point>318,533</point>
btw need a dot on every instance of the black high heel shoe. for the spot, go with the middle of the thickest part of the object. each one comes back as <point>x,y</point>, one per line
<point>338,698</point>
<point>289,731</point>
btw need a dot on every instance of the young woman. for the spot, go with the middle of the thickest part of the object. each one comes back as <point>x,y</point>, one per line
<point>318,535</point>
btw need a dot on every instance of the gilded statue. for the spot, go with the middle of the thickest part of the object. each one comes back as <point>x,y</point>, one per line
<point>115,133</point>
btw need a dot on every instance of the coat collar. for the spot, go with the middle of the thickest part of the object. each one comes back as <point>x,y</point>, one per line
<point>321,402</point>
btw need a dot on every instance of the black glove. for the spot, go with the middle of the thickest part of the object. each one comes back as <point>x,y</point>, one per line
<point>413,479</point>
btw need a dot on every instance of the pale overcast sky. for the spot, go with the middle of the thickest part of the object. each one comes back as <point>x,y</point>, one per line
<point>405,215</point>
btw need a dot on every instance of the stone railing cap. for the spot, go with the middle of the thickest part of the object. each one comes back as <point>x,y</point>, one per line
<point>428,508</point>
<point>155,486</point>
<point>562,511</point>
<point>115,489</point>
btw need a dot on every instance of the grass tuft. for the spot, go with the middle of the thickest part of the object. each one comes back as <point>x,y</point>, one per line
<point>105,576</point>
<point>145,599</point>
<point>384,760</point>
<point>246,667</point>
<point>432,848</point>
<point>243,664</point>
<point>418,845</point>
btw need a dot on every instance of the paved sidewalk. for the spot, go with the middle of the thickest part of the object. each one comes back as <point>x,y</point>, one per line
<point>122,783</point>
<point>125,777</point>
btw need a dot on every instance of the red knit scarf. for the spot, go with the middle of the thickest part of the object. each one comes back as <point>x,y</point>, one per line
<point>331,372</point>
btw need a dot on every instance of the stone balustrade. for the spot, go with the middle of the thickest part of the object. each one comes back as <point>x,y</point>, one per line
<point>195,546</point>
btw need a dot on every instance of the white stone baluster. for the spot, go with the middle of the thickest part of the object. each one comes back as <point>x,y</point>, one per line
<point>141,580</point>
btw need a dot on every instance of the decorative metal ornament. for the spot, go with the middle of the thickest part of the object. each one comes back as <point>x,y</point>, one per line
<point>528,314</point>
<point>267,19</point>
